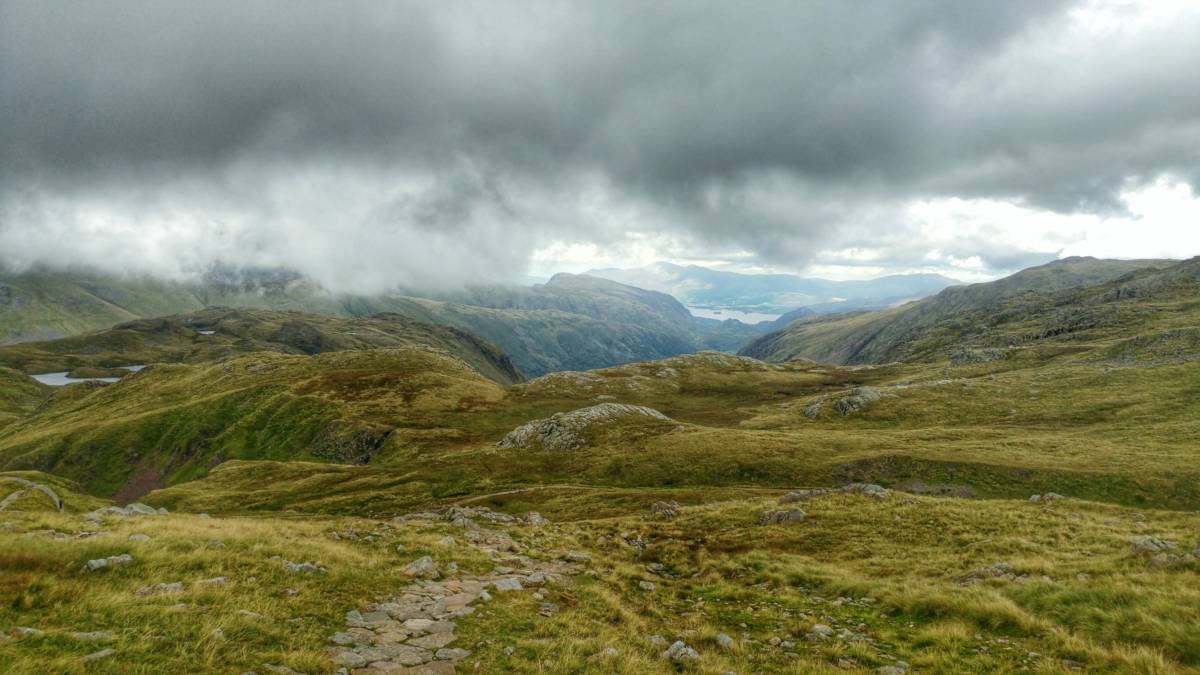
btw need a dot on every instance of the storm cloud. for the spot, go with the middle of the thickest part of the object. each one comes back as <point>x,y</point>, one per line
<point>431,143</point>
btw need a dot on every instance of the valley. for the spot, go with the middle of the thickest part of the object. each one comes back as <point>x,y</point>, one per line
<point>954,484</point>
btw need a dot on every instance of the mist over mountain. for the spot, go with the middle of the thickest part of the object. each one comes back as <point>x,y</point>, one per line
<point>774,294</point>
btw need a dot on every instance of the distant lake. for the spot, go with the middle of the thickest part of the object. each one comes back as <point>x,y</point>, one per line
<point>61,379</point>
<point>722,314</point>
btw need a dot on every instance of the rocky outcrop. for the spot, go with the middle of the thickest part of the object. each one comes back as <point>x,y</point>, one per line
<point>58,502</point>
<point>858,399</point>
<point>568,431</point>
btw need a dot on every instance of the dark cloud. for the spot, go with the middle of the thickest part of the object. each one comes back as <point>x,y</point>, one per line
<point>778,127</point>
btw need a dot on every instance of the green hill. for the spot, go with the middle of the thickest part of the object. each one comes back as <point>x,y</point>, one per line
<point>217,332</point>
<point>571,323</point>
<point>988,314</point>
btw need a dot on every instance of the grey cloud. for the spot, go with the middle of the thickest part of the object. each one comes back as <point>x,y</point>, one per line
<point>778,127</point>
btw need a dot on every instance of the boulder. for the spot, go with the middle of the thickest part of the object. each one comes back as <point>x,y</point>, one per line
<point>665,510</point>
<point>1149,545</point>
<point>567,431</point>
<point>680,652</point>
<point>423,568</point>
<point>781,517</point>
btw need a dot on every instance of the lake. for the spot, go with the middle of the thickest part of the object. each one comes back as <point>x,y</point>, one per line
<point>61,379</point>
<point>722,314</point>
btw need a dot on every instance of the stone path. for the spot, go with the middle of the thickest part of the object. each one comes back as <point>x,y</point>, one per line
<point>413,632</point>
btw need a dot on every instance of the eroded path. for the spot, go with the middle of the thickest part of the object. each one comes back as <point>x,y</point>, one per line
<point>414,632</point>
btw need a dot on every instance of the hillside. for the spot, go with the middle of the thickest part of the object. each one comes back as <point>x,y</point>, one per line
<point>712,499</point>
<point>217,332</point>
<point>571,323</point>
<point>994,314</point>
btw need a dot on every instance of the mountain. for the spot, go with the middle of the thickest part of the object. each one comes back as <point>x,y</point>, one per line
<point>990,314</point>
<point>220,332</point>
<point>571,322</point>
<point>1031,461</point>
<point>715,290</point>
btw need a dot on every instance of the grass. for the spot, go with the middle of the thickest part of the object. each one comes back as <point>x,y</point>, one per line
<point>1087,598</point>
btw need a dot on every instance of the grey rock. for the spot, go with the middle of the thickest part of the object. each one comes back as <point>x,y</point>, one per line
<point>94,635</point>
<point>1151,545</point>
<point>137,536</point>
<point>452,654</point>
<point>422,567</point>
<point>680,652</point>
<point>724,641</point>
<point>665,510</point>
<point>301,568</point>
<point>781,517</point>
<point>156,589</point>
<point>646,585</point>
<point>821,630</point>
<point>507,585</point>
<point>567,431</point>
<point>96,656</point>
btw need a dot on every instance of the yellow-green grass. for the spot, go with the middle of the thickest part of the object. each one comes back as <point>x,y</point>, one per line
<point>1087,598</point>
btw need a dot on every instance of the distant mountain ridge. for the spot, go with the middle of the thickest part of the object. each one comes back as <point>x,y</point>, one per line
<point>774,293</point>
<point>1058,296</point>
<point>572,322</point>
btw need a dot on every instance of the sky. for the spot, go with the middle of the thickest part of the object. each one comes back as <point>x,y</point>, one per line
<point>434,144</point>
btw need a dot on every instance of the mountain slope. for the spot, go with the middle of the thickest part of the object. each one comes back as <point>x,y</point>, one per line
<point>934,326</point>
<point>218,332</point>
<point>572,322</point>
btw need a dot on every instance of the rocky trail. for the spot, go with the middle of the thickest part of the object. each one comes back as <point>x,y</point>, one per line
<point>414,631</point>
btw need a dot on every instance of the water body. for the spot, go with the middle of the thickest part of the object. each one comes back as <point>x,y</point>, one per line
<point>722,314</point>
<point>61,379</point>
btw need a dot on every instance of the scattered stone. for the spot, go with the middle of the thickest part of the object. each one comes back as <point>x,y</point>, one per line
<point>106,563</point>
<point>1150,545</point>
<point>724,641</point>
<point>534,518</point>
<point>24,631</point>
<point>156,589</point>
<point>567,431</point>
<point>577,557</point>
<point>507,585</point>
<point>215,581</point>
<point>1048,497</point>
<point>130,510</point>
<point>96,656</point>
<point>302,568</point>
<point>859,398</point>
<point>867,490</point>
<point>95,635</point>
<point>813,410</point>
<point>646,585</point>
<point>452,654</point>
<point>781,517</point>
<point>1000,570</point>
<point>423,568</point>
<point>137,536</point>
<point>665,510</point>
<point>447,541</point>
<point>820,631</point>
<point>249,614</point>
<point>680,652</point>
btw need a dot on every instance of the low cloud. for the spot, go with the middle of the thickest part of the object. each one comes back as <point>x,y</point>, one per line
<point>432,144</point>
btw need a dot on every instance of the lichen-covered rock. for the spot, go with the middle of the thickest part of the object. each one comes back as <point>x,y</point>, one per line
<point>679,651</point>
<point>858,399</point>
<point>665,510</point>
<point>566,431</point>
<point>781,517</point>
